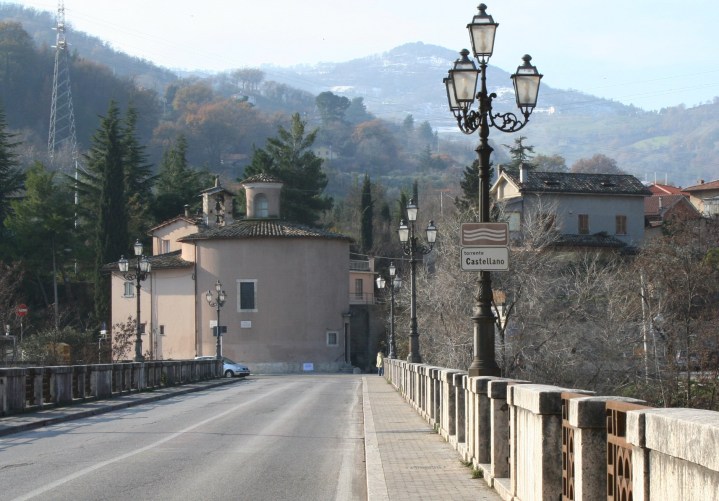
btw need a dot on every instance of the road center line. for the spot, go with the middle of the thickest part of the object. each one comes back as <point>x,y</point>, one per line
<point>97,466</point>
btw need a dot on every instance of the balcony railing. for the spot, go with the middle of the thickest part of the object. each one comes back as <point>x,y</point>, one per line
<point>362,298</point>
<point>357,265</point>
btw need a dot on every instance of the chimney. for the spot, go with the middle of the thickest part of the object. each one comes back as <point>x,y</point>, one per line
<point>660,204</point>
<point>187,210</point>
<point>523,173</point>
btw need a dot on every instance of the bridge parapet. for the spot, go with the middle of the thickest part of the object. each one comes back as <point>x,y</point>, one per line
<point>541,442</point>
<point>33,388</point>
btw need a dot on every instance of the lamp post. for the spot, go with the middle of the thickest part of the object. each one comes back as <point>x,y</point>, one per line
<point>461,85</point>
<point>395,283</point>
<point>411,247</point>
<point>217,301</point>
<point>139,273</point>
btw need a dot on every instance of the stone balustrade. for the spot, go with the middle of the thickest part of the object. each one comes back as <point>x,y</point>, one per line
<point>34,388</point>
<point>541,442</point>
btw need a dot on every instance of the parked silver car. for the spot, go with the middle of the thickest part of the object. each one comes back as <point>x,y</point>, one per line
<point>230,367</point>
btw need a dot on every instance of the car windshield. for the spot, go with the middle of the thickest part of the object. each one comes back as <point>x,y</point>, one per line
<point>228,361</point>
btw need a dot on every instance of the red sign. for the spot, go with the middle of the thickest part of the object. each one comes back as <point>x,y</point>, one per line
<point>21,310</point>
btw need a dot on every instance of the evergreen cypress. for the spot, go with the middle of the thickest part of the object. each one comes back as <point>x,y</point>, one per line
<point>367,216</point>
<point>111,239</point>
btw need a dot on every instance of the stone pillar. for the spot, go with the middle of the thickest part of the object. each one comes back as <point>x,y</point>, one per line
<point>588,421</point>
<point>479,430</point>
<point>536,441</point>
<point>60,384</point>
<point>79,373</point>
<point>674,453</point>
<point>447,426</point>
<point>12,390</point>
<point>458,381</point>
<point>436,385</point>
<point>498,440</point>
<point>34,396</point>
<point>101,380</point>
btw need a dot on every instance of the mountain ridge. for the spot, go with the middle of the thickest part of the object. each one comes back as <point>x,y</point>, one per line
<point>407,80</point>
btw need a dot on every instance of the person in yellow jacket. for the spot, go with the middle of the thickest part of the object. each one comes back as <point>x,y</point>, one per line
<point>380,363</point>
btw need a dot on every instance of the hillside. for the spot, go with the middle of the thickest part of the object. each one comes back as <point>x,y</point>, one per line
<point>677,144</point>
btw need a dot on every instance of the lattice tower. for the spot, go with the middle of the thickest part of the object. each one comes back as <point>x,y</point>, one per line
<point>62,117</point>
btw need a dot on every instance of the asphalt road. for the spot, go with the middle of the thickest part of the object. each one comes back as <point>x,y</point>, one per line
<point>263,438</point>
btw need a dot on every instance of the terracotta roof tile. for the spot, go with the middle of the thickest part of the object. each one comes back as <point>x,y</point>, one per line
<point>263,228</point>
<point>261,178</point>
<point>711,185</point>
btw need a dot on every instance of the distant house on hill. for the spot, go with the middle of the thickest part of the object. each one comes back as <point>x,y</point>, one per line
<point>705,197</point>
<point>286,284</point>
<point>587,210</point>
<point>666,204</point>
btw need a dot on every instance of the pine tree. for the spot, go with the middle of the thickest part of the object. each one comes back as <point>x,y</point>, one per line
<point>178,184</point>
<point>520,154</point>
<point>41,225</point>
<point>11,179</point>
<point>289,158</point>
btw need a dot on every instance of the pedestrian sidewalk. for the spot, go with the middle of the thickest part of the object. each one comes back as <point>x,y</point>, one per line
<point>30,420</point>
<point>405,458</point>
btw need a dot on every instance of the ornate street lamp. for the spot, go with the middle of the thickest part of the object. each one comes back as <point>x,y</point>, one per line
<point>395,283</point>
<point>139,273</point>
<point>461,85</point>
<point>217,301</point>
<point>411,247</point>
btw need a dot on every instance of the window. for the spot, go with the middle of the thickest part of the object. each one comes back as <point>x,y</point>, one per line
<point>164,246</point>
<point>621,225</point>
<point>262,206</point>
<point>162,330</point>
<point>359,288</point>
<point>584,224</point>
<point>246,292</point>
<point>129,289</point>
<point>332,338</point>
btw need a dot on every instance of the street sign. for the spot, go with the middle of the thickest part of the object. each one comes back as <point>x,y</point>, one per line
<point>484,234</point>
<point>485,258</point>
<point>21,310</point>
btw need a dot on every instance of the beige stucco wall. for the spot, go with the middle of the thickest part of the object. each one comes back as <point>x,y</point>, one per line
<point>124,309</point>
<point>172,232</point>
<point>169,309</point>
<point>173,312</point>
<point>301,294</point>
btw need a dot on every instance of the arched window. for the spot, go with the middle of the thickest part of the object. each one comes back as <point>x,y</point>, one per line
<point>262,206</point>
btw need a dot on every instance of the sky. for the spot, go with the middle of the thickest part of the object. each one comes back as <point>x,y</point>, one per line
<point>652,54</point>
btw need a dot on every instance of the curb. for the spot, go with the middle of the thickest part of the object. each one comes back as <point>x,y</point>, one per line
<point>376,482</point>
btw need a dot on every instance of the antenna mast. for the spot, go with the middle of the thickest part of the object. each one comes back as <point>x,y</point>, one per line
<point>62,117</point>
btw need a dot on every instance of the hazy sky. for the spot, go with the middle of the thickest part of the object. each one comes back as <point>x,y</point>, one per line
<point>648,53</point>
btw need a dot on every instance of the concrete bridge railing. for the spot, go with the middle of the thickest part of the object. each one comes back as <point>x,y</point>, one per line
<point>34,388</point>
<point>540,442</point>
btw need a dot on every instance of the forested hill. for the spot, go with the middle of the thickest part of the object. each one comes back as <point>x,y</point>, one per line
<point>40,26</point>
<point>677,144</point>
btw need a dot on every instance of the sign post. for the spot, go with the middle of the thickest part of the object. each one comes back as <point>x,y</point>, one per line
<point>21,311</point>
